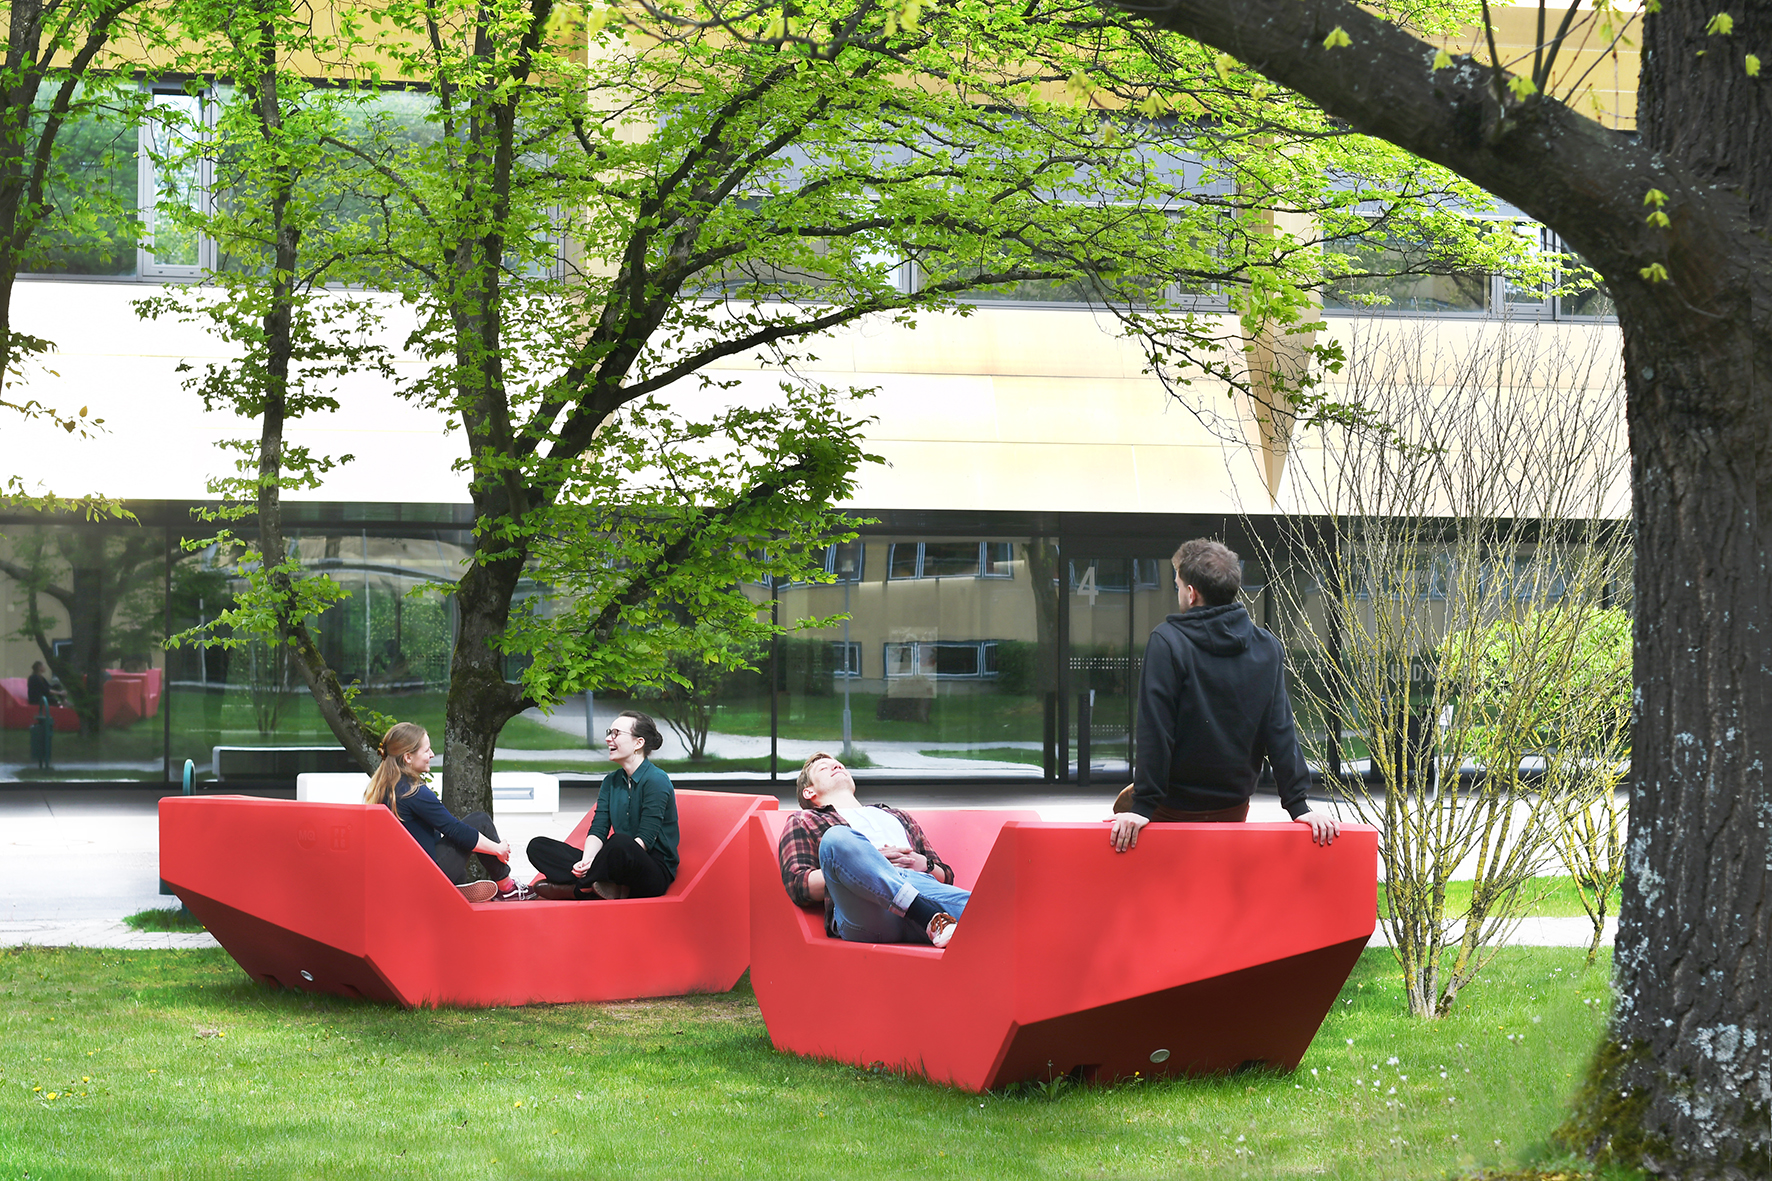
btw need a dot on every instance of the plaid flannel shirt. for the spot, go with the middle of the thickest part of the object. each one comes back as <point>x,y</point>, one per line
<point>799,852</point>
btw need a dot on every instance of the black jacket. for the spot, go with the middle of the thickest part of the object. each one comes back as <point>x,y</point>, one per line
<point>1212,705</point>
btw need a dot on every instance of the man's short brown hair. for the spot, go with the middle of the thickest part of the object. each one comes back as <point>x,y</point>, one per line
<point>1210,568</point>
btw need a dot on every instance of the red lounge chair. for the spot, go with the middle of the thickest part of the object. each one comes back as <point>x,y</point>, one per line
<point>129,697</point>
<point>17,714</point>
<point>1209,947</point>
<point>339,898</point>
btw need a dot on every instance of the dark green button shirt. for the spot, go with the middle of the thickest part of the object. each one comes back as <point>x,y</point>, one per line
<point>643,805</point>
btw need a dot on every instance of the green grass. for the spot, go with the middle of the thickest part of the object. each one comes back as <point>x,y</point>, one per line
<point>201,721</point>
<point>174,1064</point>
<point>163,918</point>
<point>960,717</point>
<point>1549,897</point>
<point>995,754</point>
<point>596,763</point>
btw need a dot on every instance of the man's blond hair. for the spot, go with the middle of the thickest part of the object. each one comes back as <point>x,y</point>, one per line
<point>805,779</point>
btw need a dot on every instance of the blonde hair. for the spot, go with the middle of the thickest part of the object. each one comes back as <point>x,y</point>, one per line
<point>401,740</point>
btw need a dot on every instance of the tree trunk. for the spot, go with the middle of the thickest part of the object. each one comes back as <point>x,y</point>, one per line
<point>1683,1082</point>
<point>481,701</point>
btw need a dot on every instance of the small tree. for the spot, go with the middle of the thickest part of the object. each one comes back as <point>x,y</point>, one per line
<point>1438,576</point>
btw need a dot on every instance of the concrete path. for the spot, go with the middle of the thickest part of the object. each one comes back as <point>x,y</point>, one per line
<point>74,862</point>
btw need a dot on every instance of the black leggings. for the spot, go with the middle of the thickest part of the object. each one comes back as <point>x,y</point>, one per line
<point>454,862</point>
<point>620,860</point>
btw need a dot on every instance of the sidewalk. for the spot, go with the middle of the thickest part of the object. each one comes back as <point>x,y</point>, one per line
<point>74,862</point>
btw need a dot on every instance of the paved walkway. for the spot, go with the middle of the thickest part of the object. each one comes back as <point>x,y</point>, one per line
<point>74,862</point>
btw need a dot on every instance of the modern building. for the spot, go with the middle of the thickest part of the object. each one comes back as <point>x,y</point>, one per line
<point>1015,555</point>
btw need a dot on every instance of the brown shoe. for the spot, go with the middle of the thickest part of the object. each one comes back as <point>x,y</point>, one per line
<point>941,928</point>
<point>555,892</point>
<point>481,891</point>
<point>610,891</point>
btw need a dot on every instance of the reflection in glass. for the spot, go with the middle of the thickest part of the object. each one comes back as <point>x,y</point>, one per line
<point>174,186</point>
<point>91,192</point>
<point>1401,276</point>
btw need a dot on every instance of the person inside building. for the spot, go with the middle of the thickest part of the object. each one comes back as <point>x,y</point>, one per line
<point>631,848</point>
<point>1212,707</point>
<point>41,690</point>
<point>871,867</point>
<point>400,785</point>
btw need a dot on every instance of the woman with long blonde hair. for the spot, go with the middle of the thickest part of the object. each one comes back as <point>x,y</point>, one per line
<point>400,785</point>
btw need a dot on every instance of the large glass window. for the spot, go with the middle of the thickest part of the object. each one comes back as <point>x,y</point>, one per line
<point>174,182</point>
<point>1404,276</point>
<point>91,190</point>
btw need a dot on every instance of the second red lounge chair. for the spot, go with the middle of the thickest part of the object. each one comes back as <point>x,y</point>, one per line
<point>1208,948</point>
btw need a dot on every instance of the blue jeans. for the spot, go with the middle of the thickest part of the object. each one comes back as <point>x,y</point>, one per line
<point>869,894</point>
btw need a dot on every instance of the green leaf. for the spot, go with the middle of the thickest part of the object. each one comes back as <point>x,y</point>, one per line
<point>1720,25</point>
<point>1654,273</point>
<point>1337,39</point>
<point>1442,59</point>
<point>1753,66</point>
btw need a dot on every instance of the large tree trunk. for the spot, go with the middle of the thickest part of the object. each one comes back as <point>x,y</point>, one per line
<point>1683,1083</point>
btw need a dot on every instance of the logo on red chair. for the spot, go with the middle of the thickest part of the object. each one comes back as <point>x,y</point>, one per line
<point>307,838</point>
<point>341,837</point>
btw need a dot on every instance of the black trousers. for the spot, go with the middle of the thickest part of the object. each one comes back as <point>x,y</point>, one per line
<point>620,860</point>
<point>454,862</point>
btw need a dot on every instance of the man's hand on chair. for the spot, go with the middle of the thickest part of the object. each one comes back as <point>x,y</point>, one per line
<point>1124,833</point>
<point>1324,827</point>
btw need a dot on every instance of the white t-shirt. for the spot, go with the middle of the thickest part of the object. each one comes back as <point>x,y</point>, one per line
<point>877,825</point>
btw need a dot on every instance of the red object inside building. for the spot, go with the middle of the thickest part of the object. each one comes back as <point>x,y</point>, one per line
<point>338,898</point>
<point>1208,948</point>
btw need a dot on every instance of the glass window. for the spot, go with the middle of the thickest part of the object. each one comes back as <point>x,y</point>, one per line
<point>904,560</point>
<point>91,191</point>
<point>846,658</point>
<point>1401,276</point>
<point>174,188</point>
<point>943,559</point>
<point>998,559</point>
<point>845,560</point>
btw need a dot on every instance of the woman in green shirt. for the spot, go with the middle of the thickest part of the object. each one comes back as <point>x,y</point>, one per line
<point>631,849</point>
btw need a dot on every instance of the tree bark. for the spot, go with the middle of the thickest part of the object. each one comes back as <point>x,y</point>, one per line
<point>1682,1084</point>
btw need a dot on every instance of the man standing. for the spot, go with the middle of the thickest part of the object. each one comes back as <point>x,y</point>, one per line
<point>1212,706</point>
<point>871,867</point>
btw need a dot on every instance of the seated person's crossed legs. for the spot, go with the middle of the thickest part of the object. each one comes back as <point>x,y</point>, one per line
<point>875,901</point>
<point>871,867</point>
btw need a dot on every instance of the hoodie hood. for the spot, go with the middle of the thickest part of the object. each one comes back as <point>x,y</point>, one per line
<point>1220,631</point>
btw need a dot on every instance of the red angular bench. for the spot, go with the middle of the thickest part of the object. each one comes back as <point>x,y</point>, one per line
<point>339,898</point>
<point>1208,948</point>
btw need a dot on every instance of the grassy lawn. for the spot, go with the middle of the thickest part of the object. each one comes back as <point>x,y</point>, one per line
<point>201,721</point>
<point>163,918</point>
<point>174,1064</point>
<point>995,754</point>
<point>1551,897</point>
<point>959,717</point>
